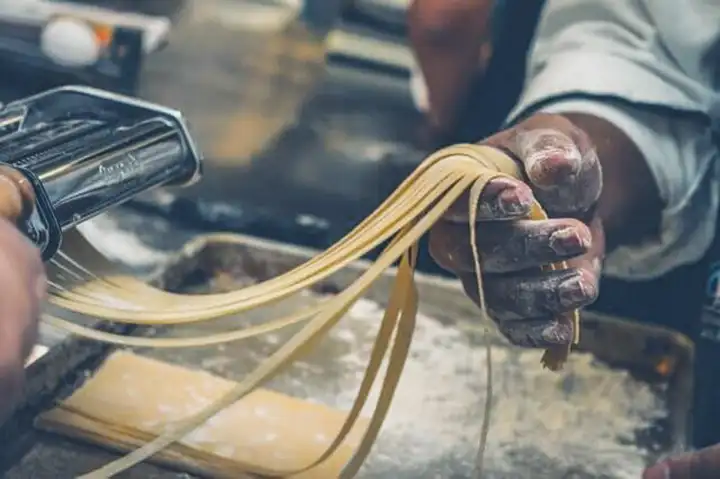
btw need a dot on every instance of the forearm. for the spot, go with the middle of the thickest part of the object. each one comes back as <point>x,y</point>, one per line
<point>451,42</point>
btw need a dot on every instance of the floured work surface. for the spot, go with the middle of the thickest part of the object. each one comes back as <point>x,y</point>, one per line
<point>581,423</point>
<point>551,424</point>
<point>133,399</point>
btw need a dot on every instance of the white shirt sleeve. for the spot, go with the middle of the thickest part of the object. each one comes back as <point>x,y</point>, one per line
<point>613,59</point>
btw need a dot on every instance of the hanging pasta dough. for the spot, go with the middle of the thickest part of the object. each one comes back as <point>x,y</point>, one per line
<point>399,222</point>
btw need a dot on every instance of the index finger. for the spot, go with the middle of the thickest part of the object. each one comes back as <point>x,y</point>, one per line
<point>501,199</point>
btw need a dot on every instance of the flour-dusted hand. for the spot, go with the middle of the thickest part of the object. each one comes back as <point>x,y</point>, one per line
<point>22,276</point>
<point>564,175</point>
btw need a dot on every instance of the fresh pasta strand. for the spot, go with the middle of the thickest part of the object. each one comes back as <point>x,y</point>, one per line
<point>473,200</point>
<point>402,219</point>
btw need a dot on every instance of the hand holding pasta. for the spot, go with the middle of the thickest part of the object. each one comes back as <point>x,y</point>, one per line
<point>563,174</point>
<point>452,185</point>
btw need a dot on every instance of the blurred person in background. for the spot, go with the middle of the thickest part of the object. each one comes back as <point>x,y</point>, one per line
<point>614,125</point>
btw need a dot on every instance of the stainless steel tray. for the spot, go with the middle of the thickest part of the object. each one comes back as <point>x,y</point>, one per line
<point>617,406</point>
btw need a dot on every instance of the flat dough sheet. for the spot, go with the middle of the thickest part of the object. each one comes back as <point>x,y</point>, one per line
<point>133,399</point>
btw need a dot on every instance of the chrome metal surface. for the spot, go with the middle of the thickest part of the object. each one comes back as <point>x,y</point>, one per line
<point>87,150</point>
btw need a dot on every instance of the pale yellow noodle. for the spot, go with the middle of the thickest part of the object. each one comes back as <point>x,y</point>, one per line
<point>417,204</point>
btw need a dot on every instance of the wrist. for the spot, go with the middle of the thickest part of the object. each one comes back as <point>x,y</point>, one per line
<point>630,205</point>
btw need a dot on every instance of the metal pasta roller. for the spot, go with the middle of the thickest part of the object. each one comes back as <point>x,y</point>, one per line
<point>71,153</point>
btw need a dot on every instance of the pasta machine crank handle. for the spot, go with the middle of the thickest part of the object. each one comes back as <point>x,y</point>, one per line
<point>69,154</point>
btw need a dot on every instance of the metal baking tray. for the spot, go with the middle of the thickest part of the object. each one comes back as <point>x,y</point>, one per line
<point>622,401</point>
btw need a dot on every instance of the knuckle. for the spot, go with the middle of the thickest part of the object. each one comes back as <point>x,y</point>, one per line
<point>589,278</point>
<point>579,290</point>
<point>569,239</point>
<point>544,145</point>
<point>578,227</point>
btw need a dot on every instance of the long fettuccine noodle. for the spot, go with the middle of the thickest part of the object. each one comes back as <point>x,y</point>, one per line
<point>401,220</point>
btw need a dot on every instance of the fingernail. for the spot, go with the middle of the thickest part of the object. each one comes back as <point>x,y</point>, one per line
<point>568,241</point>
<point>514,201</point>
<point>658,471</point>
<point>574,291</point>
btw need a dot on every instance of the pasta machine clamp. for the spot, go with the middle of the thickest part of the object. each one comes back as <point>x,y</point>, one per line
<point>73,152</point>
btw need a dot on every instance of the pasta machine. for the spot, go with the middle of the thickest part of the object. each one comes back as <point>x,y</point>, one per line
<point>71,153</point>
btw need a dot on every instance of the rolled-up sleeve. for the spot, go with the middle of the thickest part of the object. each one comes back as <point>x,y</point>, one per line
<point>613,60</point>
